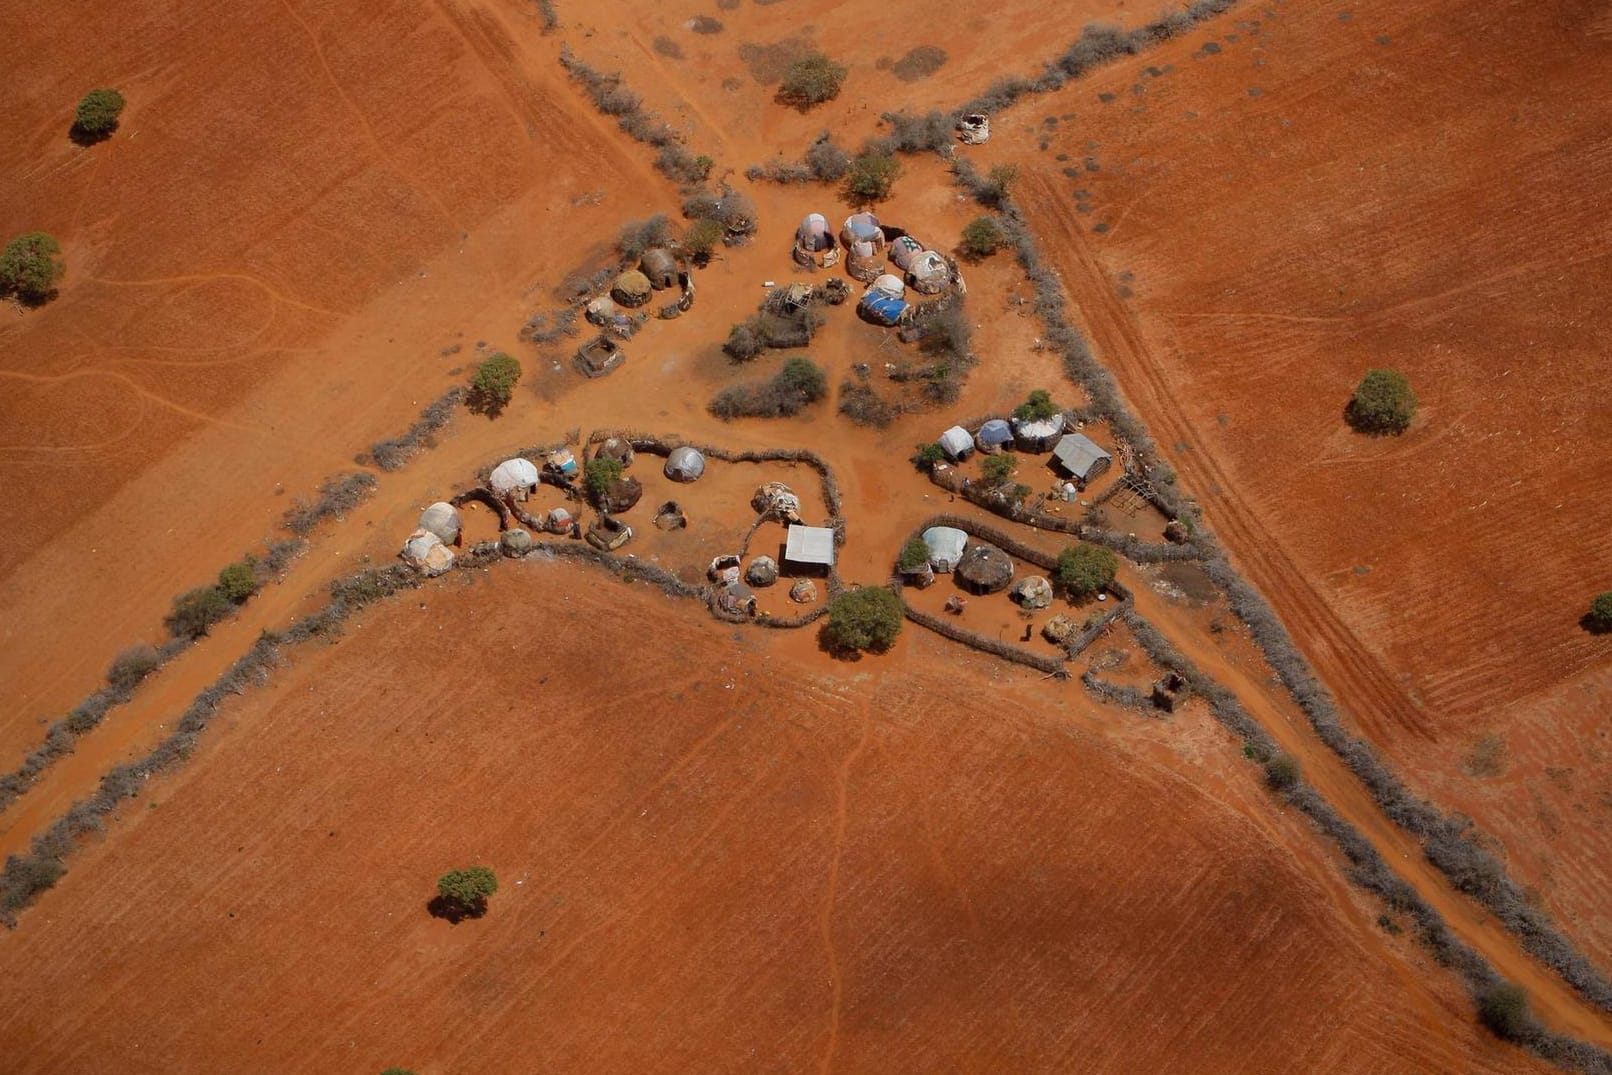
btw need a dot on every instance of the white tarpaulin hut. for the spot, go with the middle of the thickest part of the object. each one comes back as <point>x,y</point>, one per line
<point>929,273</point>
<point>684,465</point>
<point>441,519</point>
<point>956,443</point>
<point>946,545</point>
<point>890,284</point>
<point>426,553</point>
<point>515,478</point>
<point>1038,434</point>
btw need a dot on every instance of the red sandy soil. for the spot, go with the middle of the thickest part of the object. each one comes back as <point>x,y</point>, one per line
<point>725,860</point>
<point>1360,185</point>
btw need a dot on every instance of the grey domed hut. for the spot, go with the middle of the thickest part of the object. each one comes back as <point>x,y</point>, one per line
<point>993,436</point>
<point>441,519</point>
<point>929,273</point>
<point>631,289</point>
<point>763,571</point>
<point>983,569</point>
<point>426,553</point>
<point>684,465</point>
<point>514,478</point>
<point>659,267</point>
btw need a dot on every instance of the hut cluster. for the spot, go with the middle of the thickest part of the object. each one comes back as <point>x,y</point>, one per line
<point>617,312</point>
<point>886,259</point>
<point>978,568</point>
<point>1076,459</point>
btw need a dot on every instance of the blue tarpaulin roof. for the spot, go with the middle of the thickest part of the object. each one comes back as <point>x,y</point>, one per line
<point>884,308</point>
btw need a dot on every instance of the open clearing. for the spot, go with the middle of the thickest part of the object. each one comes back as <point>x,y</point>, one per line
<point>1297,194</point>
<point>710,857</point>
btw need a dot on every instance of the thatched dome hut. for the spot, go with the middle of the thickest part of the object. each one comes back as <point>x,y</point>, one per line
<point>984,569</point>
<point>1037,435</point>
<point>514,478</point>
<point>763,571</point>
<point>442,519</point>
<point>946,545</point>
<point>514,541</point>
<point>684,464</point>
<point>426,553</point>
<point>1032,592</point>
<point>659,267</point>
<point>622,494</point>
<point>617,448</point>
<point>631,289</point>
<point>903,250</point>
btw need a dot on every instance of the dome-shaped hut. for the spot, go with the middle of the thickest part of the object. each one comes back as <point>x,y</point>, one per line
<point>864,240</point>
<point>930,273</point>
<point>426,553</point>
<point>442,519</point>
<point>946,545</point>
<point>631,289</point>
<point>889,284</point>
<point>684,465</point>
<point>763,571</point>
<point>814,242</point>
<point>882,308</point>
<point>983,569</point>
<point>659,268</point>
<point>622,494</point>
<point>994,436</point>
<point>617,448</point>
<point>903,250</point>
<point>777,500</point>
<point>514,479</point>
<point>559,521</point>
<point>1033,592</point>
<point>1038,434</point>
<point>737,599</point>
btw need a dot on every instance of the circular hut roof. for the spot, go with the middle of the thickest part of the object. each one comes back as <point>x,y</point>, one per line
<point>659,266</point>
<point>946,544</point>
<point>813,233</point>
<point>425,552</point>
<point>862,227</point>
<point>763,571</point>
<point>632,288</point>
<point>616,448</point>
<point>994,434</point>
<point>441,519</point>
<point>985,568</point>
<point>512,474</point>
<point>903,250</point>
<point>890,285</point>
<point>684,464</point>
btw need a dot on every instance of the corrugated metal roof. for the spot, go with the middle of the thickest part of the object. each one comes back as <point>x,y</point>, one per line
<point>810,545</point>
<point>1077,452</point>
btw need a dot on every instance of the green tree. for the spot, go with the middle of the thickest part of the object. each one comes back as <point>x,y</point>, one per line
<point>1085,569</point>
<point>1038,406</point>
<point>599,475</point>
<point>998,181</point>
<point>866,619</point>
<point>914,555</point>
<point>811,80</point>
<point>999,468</point>
<point>238,581</point>
<point>1599,618</point>
<point>195,611</point>
<point>97,115</point>
<point>464,893</point>
<point>928,455</point>
<point>30,267</point>
<point>1383,403</point>
<point>1503,1008</point>
<point>804,377</point>
<point>871,177</point>
<point>982,237</point>
<point>702,237</point>
<point>494,384</point>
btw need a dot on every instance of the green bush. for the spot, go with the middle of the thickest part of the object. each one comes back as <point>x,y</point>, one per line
<point>999,468</point>
<point>494,384</point>
<point>870,177</point>
<point>238,581</point>
<point>1599,618</point>
<point>30,267</point>
<point>798,384</point>
<point>1085,569</point>
<point>702,237</point>
<point>599,475</point>
<point>1383,403</point>
<point>805,377</point>
<point>811,80</point>
<point>1282,772</point>
<point>994,191</point>
<point>464,893</point>
<point>195,611</point>
<point>928,455</point>
<point>97,115</point>
<point>914,555</point>
<point>982,237</point>
<point>1037,407</point>
<point>133,665</point>
<point>1503,1008</point>
<point>866,619</point>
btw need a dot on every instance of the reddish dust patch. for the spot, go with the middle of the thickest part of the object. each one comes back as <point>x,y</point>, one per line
<point>735,856</point>
<point>1292,195</point>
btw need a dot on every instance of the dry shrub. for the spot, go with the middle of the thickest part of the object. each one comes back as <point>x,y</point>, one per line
<point>919,63</point>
